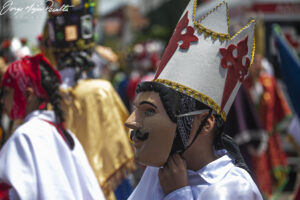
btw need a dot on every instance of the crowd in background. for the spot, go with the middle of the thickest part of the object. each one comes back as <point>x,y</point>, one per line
<point>263,120</point>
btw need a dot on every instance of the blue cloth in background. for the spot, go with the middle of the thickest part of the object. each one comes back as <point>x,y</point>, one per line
<point>124,190</point>
<point>289,68</point>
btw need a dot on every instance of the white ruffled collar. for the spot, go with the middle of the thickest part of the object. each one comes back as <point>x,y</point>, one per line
<point>214,171</point>
<point>41,114</point>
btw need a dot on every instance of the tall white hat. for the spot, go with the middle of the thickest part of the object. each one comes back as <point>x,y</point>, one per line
<point>203,61</point>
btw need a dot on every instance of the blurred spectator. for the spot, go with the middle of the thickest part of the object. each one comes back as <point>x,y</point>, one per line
<point>270,166</point>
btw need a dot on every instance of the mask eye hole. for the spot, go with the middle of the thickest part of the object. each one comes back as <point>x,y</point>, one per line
<point>149,112</point>
<point>131,135</point>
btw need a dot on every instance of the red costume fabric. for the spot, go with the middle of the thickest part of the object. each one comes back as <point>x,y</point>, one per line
<point>4,191</point>
<point>186,39</point>
<point>22,74</point>
<point>270,167</point>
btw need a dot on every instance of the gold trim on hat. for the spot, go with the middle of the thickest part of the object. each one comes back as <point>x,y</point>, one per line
<point>195,94</point>
<point>221,36</point>
<point>207,32</point>
<point>253,43</point>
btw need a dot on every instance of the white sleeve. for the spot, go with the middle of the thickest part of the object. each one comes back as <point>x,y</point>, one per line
<point>17,168</point>
<point>184,193</point>
<point>234,191</point>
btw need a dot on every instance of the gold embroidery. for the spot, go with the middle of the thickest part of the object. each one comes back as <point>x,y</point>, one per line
<point>208,32</point>
<point>190,92</point>
<point>221,36</point>
<point>253,44</point>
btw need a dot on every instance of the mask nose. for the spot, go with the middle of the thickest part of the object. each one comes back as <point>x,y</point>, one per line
<point>136,126</point>
<point>132,122</point>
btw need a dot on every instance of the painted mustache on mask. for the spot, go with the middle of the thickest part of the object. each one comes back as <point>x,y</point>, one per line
<point>139,135</point>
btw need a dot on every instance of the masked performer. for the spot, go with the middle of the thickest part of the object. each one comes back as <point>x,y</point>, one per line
<point>41,160</point>
<point>179,116</point>
<point>94,111</point>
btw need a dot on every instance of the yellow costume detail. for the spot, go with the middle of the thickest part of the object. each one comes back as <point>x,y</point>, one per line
<point>208,32</point>
<point>96,114</point>
<point>190,92</point>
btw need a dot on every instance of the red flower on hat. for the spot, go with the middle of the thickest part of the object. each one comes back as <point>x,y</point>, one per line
<point>237,71</point>
<point>186,39</point>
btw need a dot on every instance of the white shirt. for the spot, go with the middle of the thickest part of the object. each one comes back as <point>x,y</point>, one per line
<point>38,163</point>
<point>219,180</point>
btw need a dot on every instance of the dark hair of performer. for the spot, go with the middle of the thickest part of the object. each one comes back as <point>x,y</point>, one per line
<point>81,61</point>
<point>51,85</point>
<point>176,103</point>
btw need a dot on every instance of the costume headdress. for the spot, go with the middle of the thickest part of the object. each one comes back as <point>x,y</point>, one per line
<point>70,25</point>
<point>22,74</point>
<point>203,61</point>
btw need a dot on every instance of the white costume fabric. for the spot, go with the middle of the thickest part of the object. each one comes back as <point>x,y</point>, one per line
<point>219,180</point>
<point>38,163</point>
